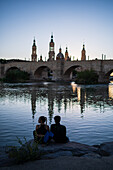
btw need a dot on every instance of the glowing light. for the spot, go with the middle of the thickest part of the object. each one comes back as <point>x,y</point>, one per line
<point>78,93</point>
<point>74,86</point>
<point>110,89</point>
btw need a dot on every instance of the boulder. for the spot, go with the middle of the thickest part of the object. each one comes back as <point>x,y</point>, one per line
<point>106,149</point>
<point>76,148</point>
<point>56,154</point>
<point>91,155</point>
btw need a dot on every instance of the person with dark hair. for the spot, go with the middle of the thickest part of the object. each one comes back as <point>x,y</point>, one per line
<point>41,129</point>
<point>59,131</point>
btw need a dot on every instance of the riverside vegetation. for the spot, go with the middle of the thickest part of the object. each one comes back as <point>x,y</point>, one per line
<point>87,77</point>
<point>16,75</point>
<point>25,152</point>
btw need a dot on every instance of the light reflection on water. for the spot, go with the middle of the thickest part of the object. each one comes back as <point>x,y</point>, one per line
<point>86,111</point>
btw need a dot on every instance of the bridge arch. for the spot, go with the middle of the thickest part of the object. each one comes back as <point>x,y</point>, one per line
<point>109,72</point>
<point>69,73</point>
<point>43,72</point>
<point>11,69</point>
<point>109,75</point>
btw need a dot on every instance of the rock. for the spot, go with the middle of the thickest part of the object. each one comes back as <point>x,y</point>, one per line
<point>54,150</point>
<point>92,155</point>
<point>76,148</point>
<point>4,159</point>
<point>56,154</point>
<point>71,146</point>
<point>78,152</point>
<point>106,149</point>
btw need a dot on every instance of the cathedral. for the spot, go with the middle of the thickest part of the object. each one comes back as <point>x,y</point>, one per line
<point>51,53</point>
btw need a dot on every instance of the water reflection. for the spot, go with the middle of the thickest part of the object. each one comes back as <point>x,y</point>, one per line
<point>50,105</point>
<point>74,102</point>
<point>96,96</point>
<point>74,86</point>
<point>93,95</point>
<point>111,91</point>
<point>33,102</point>
<point>61,97</point>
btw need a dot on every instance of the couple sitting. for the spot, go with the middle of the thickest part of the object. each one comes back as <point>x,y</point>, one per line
<point>57,131</point>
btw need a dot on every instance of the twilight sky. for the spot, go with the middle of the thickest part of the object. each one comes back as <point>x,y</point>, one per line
<point>73,22</point>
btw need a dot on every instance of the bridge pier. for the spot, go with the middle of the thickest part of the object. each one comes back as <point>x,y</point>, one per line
<point>2,70</point>
<point>103,78</point>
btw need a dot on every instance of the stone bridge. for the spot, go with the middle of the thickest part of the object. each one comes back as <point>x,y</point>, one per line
<point>59,69</point>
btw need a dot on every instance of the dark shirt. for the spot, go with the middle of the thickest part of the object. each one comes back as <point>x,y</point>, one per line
<point>41,130</point>
<point>59,132</point>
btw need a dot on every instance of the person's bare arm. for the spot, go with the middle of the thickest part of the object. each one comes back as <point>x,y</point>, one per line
<point>37,126</point>
<point>47,127</point>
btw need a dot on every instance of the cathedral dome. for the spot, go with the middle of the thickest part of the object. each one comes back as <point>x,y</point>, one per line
<point>60,55</point>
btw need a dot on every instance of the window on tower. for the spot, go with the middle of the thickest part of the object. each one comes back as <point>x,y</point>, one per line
<point>51,48</point>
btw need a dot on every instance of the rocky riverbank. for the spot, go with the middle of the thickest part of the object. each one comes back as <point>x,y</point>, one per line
<point>70,149</point>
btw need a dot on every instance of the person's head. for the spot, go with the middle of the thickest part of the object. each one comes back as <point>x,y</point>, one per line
<point>57,119</point>
<point>42,119</point>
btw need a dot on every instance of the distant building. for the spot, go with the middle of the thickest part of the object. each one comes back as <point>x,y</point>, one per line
<point>52,53</point>
<point>83,53</point>
<point>34,55</point>
<point>51,49</point>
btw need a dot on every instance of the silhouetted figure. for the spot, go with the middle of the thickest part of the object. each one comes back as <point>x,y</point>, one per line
<point>41,130</point>
<point>59,131</point>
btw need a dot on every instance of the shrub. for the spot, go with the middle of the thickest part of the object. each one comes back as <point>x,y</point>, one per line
<point>16,76</point>
<point>87,77</point>
<point>27,151</point>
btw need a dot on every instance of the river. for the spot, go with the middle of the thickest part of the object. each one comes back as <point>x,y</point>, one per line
<point>86,110</point>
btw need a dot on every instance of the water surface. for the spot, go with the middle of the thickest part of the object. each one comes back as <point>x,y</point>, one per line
<point>86,110</point>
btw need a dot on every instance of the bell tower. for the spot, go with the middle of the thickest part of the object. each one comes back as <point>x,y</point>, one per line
<point>34,55</point>
<point>51,49</point>
<point>66,54</point>
<point>83,53</point>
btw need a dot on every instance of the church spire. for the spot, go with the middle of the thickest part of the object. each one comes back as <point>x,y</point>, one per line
<point>83,53</point>
<point>51,37</point>
<point>60,49</point>
<point>67,55</point>
<point>34,42</point>
<point>51,49</point>
<point>34,55</point>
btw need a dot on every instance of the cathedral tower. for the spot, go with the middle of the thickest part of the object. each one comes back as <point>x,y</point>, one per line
<point>34,55</point>
<point>66,55</point>
<point>51,49</point>
<point>83,53</point>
